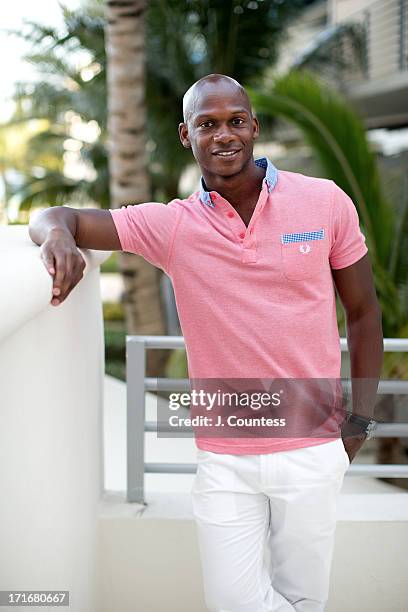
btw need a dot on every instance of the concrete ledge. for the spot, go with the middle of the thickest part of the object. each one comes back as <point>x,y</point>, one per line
<point>148,566</point>
<point>28,283</point>
<point>160,505</point>
<point>352,507</point>
<point>148,558</point>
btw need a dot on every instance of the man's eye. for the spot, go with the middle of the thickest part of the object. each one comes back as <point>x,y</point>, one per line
<point>237,121</point>
<point>205,124</point>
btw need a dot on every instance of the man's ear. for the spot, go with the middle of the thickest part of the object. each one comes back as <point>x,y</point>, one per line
<point>256,127</point>
<point>183,133</point>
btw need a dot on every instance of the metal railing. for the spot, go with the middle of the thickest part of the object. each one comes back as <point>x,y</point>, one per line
<point>138,384</point>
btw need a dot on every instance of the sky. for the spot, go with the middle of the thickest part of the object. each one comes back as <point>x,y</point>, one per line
<point>12,66</point>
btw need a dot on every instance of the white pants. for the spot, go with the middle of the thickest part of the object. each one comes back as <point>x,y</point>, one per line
<point>266,527</point>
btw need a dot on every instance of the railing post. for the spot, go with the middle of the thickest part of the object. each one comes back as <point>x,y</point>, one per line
<point>135,428</point>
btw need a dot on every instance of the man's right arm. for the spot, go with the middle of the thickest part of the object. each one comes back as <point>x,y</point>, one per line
<point>59,231</point>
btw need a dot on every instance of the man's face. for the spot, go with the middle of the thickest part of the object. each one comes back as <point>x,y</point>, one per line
<point>220,130</point>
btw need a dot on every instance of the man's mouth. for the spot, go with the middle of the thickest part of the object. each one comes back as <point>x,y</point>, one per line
<point>227,154</point>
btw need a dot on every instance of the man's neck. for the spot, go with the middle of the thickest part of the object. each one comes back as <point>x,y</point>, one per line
<point>241,190</point>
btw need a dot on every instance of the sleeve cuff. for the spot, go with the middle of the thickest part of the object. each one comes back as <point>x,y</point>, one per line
<point>345,262</point>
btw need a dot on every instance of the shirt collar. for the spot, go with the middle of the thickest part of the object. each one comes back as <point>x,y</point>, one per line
<point>271,177</point>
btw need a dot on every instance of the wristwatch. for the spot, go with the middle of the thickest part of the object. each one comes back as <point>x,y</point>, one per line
<point>368,426</point>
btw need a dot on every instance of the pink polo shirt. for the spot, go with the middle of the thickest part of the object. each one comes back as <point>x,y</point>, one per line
<point>256,301</point>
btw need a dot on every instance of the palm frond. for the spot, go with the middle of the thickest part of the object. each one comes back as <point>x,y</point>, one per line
<point>53,189</point>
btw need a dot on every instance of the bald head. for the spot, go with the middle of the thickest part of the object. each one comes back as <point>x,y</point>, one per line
<point>212,83</point>
<point>219,126</point>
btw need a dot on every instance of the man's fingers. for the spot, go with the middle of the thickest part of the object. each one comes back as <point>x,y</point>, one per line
<point>66,285</point>
<point>60,271</point>
<point>73,267</point>
<point>75,277</point>
<point>79,270</point>
<point>48,260</point>
<point>81,263</point>
<point>65,263</point>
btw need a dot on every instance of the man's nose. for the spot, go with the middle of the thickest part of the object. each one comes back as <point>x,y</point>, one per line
<point>223,134</point>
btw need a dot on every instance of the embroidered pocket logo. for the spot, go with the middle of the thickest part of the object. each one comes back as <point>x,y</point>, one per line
<point>305,248</point>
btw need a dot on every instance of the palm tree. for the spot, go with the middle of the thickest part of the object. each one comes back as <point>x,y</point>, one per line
<point>129,179</point>
<point>337,137</point>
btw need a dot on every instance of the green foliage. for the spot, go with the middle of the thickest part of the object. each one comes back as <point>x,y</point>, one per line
<point>176,366</point>
<point>115,341</point>
<point>111,264</point>
<point>113,311</point>
<point>117,369</point>
<point>115,349</point>
<point>54,189</point>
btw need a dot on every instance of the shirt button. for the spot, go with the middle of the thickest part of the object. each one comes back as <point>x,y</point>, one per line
<point>230,214</point>
<point>242,235</point>
<point>251,231</point>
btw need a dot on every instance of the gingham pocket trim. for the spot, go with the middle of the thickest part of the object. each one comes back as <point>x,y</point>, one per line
<point>302,236</point>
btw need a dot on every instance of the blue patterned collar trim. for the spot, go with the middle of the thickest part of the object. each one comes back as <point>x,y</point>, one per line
<point>271,177</point>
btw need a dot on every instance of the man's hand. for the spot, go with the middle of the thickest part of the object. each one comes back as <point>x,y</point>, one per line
<point>59,231</point>
<point>352,444</point>
<point>63,261</point>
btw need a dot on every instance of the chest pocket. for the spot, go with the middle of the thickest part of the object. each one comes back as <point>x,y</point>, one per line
<point>303,254</point>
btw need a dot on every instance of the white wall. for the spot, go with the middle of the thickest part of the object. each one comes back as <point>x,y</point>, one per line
<point>153,565</point>
<point>51,372</point>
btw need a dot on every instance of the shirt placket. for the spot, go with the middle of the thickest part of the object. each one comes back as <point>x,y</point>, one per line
<point>246,236</point>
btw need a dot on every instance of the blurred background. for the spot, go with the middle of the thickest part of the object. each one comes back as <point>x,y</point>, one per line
<point>328,81</point>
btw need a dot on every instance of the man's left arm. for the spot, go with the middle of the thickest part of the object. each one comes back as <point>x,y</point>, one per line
<point>356,289</point>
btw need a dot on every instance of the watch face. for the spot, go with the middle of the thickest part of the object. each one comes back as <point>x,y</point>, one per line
<point>371,427</point>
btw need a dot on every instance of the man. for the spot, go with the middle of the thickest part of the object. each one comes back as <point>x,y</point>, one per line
<point>252,256</point>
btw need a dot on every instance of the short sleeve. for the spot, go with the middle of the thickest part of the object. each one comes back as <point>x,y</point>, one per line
<point>147,230</point>
<point>348,242</point>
